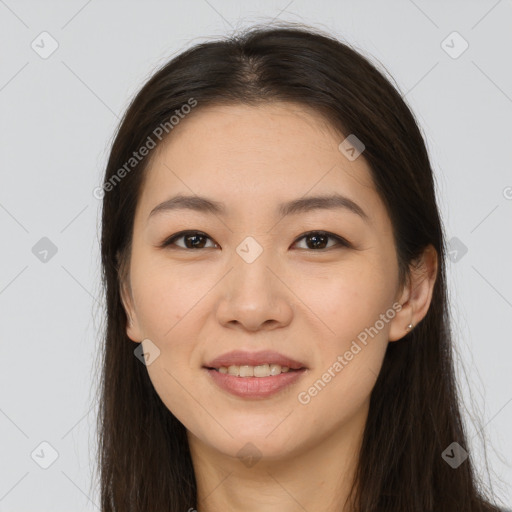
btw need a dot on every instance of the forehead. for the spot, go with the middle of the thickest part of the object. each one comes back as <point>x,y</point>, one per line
<point>271,131</point>
<point>248,155</point>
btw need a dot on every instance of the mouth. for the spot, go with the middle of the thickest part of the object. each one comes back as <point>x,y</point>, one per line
<point>264,363</point>
<point>255,383</point>
<point>255,375</point>
<point>259,371</point>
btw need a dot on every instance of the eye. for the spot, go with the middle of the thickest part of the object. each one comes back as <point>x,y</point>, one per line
<point>193,239</point>
<point>319,239</point>
<point>196,240</point>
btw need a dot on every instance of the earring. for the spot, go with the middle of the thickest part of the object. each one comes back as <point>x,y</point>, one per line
<point>409,327</point>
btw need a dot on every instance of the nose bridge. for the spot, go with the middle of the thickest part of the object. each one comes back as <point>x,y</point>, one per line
<point>251,260</point>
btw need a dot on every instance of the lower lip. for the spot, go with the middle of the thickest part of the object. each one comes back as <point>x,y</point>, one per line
<point>255,387</point>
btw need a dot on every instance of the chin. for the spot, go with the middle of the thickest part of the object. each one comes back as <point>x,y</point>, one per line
<point>256,445</point>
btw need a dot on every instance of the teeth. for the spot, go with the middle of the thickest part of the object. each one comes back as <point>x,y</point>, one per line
<point>264,370</point>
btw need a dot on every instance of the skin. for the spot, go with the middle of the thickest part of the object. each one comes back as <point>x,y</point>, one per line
<point>307,303</point>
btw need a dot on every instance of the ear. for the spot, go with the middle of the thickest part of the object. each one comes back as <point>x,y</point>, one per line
<point>416,296</point>
<point>133,330</point>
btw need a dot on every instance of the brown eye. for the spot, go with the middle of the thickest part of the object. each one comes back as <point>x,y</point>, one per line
<point>318,240</point>
<point>192,240</point>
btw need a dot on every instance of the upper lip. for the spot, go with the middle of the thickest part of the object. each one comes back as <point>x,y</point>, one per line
<point>240,358</point>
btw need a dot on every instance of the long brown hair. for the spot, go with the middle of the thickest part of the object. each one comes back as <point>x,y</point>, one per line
<point>144,459</point>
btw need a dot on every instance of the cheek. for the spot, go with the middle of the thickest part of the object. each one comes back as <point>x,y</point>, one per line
<point>350,352</point>
<point>346,300</point>
<point>169,308</point>
<point>167,294</point>
<point>352,335</point>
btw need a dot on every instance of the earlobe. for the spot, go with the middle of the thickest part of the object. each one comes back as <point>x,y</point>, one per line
<point>132,330</point>
<point>402,324</point>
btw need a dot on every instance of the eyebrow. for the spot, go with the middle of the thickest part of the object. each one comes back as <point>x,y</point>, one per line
<point>294,207</point>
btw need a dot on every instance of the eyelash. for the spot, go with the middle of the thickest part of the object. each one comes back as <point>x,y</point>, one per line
<point>340,240</point>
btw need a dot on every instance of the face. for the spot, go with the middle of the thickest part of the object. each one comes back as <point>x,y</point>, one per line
<point>318,285</point>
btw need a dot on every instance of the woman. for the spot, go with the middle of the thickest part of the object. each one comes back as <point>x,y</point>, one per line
<point>272,244</point>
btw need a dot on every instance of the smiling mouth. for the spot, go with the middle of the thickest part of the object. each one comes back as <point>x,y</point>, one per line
<point>263,370</point>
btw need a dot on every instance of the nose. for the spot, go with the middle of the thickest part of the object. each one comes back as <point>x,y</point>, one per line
<point>254,296</point>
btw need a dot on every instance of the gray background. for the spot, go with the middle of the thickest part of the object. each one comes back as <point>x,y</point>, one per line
<point>58,115</point>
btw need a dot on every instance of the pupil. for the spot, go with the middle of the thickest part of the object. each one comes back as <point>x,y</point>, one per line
<point>189,237</point>
<point>316,237</point>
